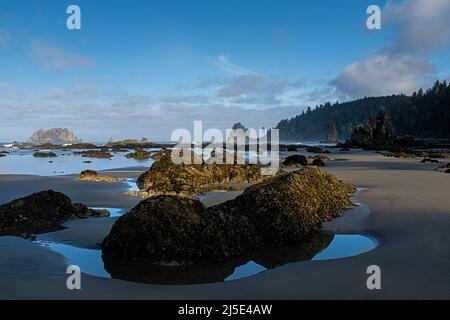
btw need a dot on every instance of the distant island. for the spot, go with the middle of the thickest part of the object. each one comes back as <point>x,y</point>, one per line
<point>53,136</point>
<point>424,114</point>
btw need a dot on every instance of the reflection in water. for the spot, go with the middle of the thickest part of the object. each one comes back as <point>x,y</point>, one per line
<point>321,247</point>
<point>114,212</point>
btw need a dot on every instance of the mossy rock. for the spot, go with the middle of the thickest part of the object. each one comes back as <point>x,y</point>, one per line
<point>44,155</point>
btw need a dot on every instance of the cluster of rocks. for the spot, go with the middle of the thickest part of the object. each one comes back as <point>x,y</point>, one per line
<point>167,178</point>
<point>298,160</point>
<point>171,230</point>
<point>91,175</point>
<point>42,212</point>
<point>376,132</point>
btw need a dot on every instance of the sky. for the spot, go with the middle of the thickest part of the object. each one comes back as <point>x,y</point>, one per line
<point>145,68</point>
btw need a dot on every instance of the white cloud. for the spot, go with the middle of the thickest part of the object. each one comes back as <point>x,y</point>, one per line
<point>5,38</point>
<point>423,25</point>
<point>383,74</point>
<point>421,28</point>
<point>54,58</point>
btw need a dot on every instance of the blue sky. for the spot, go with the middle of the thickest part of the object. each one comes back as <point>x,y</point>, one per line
<point>144,68</point>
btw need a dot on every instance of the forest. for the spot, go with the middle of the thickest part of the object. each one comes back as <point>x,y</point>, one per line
<point>424,114</point>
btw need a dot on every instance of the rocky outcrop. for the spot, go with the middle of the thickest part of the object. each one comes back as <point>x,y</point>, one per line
<point>167,178</point>
<point>139,154</point>
<point>295,160</point>
<point>101,154</point>
<point>428,160</point>
<point>42,212</point>
<point>170,230</point>
<point>91,175</point>
<point>44,155</point>
<point>332,133</point>
<point>374,133</point>
<point>54,136</point>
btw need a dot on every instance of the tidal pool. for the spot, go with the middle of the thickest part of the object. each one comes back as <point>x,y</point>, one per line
<point>324,246</point>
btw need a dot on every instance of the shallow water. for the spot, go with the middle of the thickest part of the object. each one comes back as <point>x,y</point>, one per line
<point>322,247</point>
<point>23,162</point>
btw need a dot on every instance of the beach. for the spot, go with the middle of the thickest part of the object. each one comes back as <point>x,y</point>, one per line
<point>406,207</point>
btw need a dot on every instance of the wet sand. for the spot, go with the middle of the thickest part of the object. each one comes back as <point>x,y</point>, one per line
<point>409,212</point>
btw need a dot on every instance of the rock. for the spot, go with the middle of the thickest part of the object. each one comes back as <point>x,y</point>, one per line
<point>167,178</point>
<point>172,230</point>
<point>400,154</point>
<point>54,136</point>
<point>291,148</point>
<point>44,155</point>
<point>291,207</point>
<point>91,175</point>
<point>41,212</point>
<point>332,133</point>
<point>139,154</point>
<point>2,155</point>
<point>444,168</point>
<point>295,160</point>
<point>94,154</point>
<point>428,160</point>
<point>316,150</point>
<point>287,208</point>
<point>374,133</point>
<point>345,150</point>
<point>318,162</point>
<point>433,154</point>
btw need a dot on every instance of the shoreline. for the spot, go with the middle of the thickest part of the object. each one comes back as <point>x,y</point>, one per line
<point>409,213</point>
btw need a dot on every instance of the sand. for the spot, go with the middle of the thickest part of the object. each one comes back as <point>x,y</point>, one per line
<point>406,206</point>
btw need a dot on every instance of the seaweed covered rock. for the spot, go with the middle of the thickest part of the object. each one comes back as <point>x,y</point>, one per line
<point>44,155</point>
<point>172,230</point>
<point>42,212</point>
<point>287,208</point>
<point>101,154</point>
<point>91,175</point>
<point>168,178</point>
<point>139,154</point>
<point>291,207</point>
<point>295,160</point>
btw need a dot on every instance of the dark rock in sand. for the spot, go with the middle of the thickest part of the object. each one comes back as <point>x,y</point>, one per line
<point>316,150</point>
<point>44,155</point>
<point>42,212</point>
<point>428,160</point>
<point>291,148</point>
<point>170,230</point>
<point>444,169</point>
<point>318,162</point>
<point>295,160</point>
<point>174,230</point>
<point>2,155</point>
<point>94,154</point>
<point>345,150</point>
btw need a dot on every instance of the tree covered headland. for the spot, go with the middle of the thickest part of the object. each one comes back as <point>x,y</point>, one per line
<point>424,114</point>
